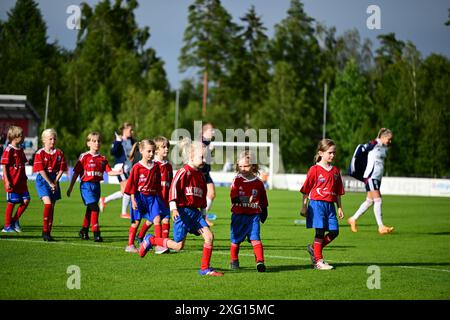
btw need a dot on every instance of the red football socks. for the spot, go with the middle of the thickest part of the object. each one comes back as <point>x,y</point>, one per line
<point>47,213</point>
<point>158,231</point>
<point>318,244</point>
<point>143,231</point>
<point>131,235</point>
<point>165,230</point>
<point>234,251</point>
<point>258,250</point>
<point>206,257</point>
<point>8,214</point>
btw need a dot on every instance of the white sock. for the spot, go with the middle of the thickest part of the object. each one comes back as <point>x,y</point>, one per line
<point>377,210</point>
<point>208,204</point>
<point>363,208</point>
<point>114,196</point>
<point>125,201</point>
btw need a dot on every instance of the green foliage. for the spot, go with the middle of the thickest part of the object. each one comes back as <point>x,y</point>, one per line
<point>255,82</point>
<point>351,110</point>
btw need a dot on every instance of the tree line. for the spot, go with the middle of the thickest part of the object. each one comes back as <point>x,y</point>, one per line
<point>242,79</point>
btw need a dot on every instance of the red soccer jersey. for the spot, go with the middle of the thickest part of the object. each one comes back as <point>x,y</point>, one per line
<point>146,180</point>
<point>246,190</point>
<point>188,188</point>
<point>14,159</point>
<point>91,167</point>
<point>52,162</point>
<point>166,179</point>
<point>322,184</point>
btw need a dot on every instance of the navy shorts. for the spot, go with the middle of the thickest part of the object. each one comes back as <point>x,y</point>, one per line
<point>372,184</point>
<point>90,192</point>
<point>189,221</point>
<point>243,225</point>
<point>322,215</point>
<point>44,190</point>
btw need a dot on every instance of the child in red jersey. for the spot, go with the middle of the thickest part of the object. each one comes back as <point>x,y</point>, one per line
<point>322,188</point>
<point>14,179</point>
<point>187,195</point>
<point>162,227</point>
<point>249,208</point>
<point>50,165</point>
<point>144,187</point>
<point>90,167</point>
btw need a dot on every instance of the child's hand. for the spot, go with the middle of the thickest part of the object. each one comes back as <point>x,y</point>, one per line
<point>175,214</point>
<point>118,138</point>
<point>340,213</point>
<point>134,204</point>
<point>304,211</point>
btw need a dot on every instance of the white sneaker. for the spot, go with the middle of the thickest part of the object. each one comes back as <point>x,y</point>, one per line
<point>131,249</point>
<point>322,265</point>
<point>17,227</point>
<point>161,250</point>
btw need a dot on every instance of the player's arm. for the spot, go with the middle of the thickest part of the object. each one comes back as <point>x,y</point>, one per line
<point>304,210</point>
<point>112,172</point>
<point>339,205</point>
<point>72,181</point>
<point>7,178</point>
<point>263,215</point>
<point>48,180</point>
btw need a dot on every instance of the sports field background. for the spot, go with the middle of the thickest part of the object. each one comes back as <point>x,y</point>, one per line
<point>414,261</point>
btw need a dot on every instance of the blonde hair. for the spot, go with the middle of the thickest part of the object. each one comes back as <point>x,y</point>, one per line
<point>384,132</point>
<point>93,134</point>
<point>250,156</point>
<point>48,132</point>
<point>144,143</point>
<point>14,132</point>
<point>125,125</point>
<point>188,147</point>
<point>323,146</point>
<point>160,141</point>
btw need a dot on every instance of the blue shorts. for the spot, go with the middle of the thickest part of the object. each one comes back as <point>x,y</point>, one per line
<point>13,197</point>
<point>243,225</point>
<point>44,190</point>
<point>189,221</point>
<point>148,207</point>
<point>90,192</point>
<point>322,214</point>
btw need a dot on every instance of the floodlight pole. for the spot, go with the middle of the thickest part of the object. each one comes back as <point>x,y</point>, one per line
<point>177,103</point>
<point>324,111</point>
<point>46,107</point>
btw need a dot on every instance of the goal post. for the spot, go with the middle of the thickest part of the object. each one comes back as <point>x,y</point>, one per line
<point>233,149</point>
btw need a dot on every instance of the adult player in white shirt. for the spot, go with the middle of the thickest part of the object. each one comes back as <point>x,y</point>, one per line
<point>372,178</point>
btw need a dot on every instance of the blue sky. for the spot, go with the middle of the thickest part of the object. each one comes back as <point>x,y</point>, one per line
<point>419,21</point>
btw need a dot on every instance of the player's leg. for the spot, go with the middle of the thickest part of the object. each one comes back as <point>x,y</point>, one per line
<point>46,214</point>
<point>8,214</point>
<point>165,227</point>
<point>95,226</point>
<point>132,235</point>
<point>255,240</point>
<point>363,207</point>
<point>205,268</point>
<point>125,200</point>
<point>25,201</point>
<point>377,202</point>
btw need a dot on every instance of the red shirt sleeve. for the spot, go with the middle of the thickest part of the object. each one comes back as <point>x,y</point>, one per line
<point>310,181</point>
<point>79,168</point>
<point>234,191</point>
<point>38,164</point>
<point>63,165</point>
<point>5,157</point>
<point>107,167</point>
<point>263,202</point>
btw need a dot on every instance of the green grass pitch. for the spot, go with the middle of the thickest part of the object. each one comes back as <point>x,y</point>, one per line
<point>413,262</point>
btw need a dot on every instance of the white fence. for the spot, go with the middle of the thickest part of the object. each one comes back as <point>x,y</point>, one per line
<point>389,185</point>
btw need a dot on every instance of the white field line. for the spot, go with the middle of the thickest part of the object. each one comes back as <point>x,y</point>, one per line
<point>216,252</point>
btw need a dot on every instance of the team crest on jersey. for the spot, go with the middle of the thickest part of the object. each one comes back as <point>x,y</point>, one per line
<point>321,178</point>
<point>254,192</point>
